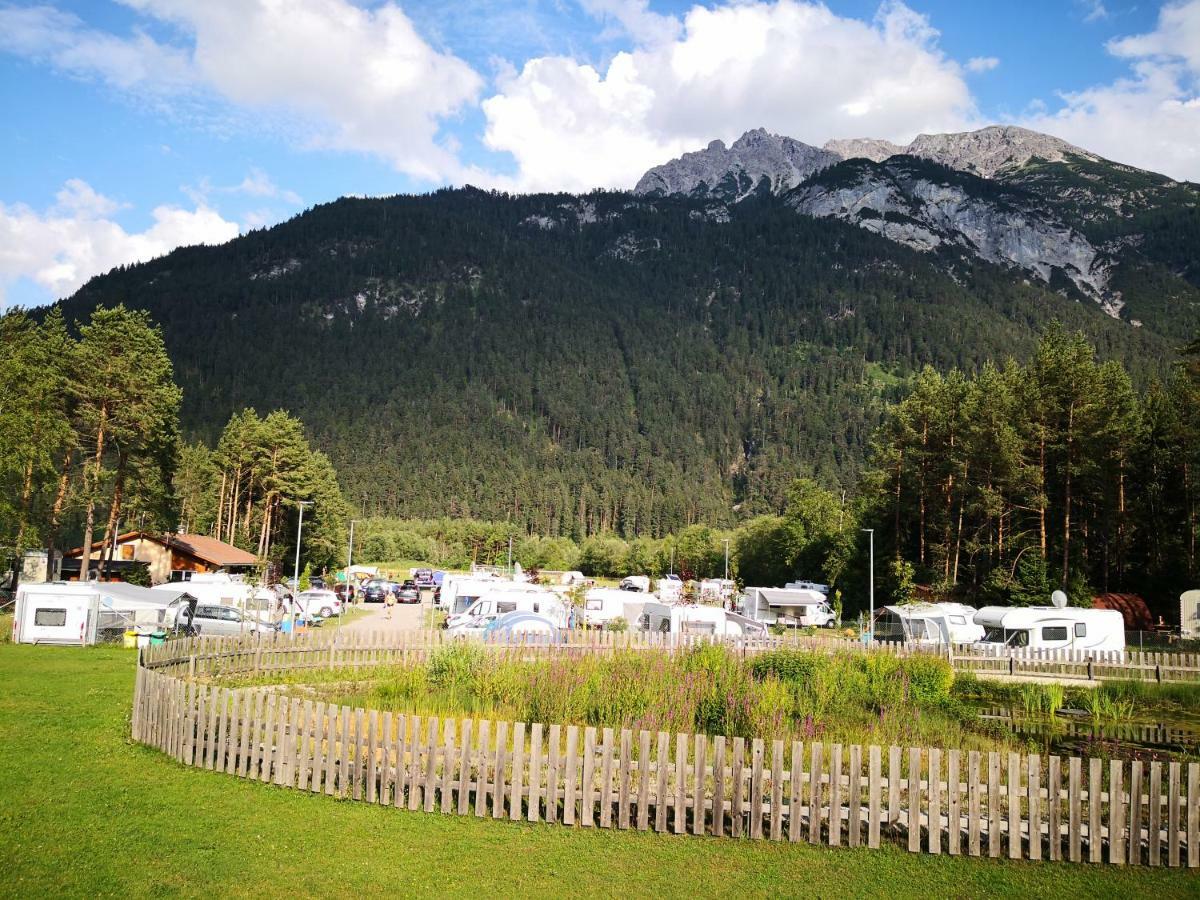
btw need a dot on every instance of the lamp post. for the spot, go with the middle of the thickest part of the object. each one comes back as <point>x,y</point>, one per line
<point>349,561</point>
<point>871,620</point>
<point>726,559</point>
<point>299,534</point>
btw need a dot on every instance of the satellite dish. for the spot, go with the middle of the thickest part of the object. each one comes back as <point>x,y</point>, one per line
<point>1059,599</point>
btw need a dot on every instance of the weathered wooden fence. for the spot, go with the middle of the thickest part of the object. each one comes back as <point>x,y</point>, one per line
<point>324,648</point>
<point>1012,805</point>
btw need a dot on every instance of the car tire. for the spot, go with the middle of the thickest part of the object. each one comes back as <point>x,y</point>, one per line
<point>326,612</point>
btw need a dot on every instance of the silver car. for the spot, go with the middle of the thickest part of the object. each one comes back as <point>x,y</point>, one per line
<point>221,621</point>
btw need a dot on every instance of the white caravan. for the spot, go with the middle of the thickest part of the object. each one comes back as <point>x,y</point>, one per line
<point>1189,615</point>
<point>214,589</point>
<point>88,612</point>
<point>490,607</point>
<point>716,590</point>
<point>928,624</point>
<point>686,619</point>
<point>460,591</point>
<point>802,607</point>
<point>670,589</point>
<point>603,605</point>
<point>808,586</point>
<point>1051,628</point>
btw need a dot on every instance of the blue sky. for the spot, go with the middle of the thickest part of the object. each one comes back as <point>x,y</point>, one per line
<point>138,125</point>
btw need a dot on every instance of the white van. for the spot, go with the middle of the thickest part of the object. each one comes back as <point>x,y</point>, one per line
<point>490,606</point>
<point>1051,628</point>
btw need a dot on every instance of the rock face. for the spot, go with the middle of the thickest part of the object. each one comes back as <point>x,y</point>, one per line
<point>864,148</point>
<point>756,161</point>
<point>992,150</point>
<point>912,203</point>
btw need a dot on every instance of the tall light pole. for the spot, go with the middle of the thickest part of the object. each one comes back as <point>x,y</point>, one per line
<point>726,559</point>
<point>299,534</point>
<point>871,620</point>
<point>349,560</point>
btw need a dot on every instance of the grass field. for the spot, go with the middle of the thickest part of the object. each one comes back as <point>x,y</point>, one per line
<point>84,811</point>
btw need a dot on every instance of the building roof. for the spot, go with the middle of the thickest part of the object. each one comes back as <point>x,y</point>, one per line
<point>201,546</point>
<point>1131,606</point>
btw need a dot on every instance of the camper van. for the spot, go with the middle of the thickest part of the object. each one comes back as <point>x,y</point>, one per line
<point>90,612</point>
<point>926,624</point>
<point>492,606</point>
<point>802,607</point>
<point>603,605</point>
<point>466,593</point>
<point>1050,628</point>
<point>686,619</point>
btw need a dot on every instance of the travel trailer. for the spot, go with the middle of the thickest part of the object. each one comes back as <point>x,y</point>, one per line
<point>808,586</point>
<point>670,589</point>
<point>603,605</point>
<point>1189,615</point>
<point>90,612</point>
<point>801,607</point>
<point>928,624</point>
<point>460,591</point>
<point>686,619</point>
<point>1051,628</point>
<point>716,590</point>
<point>216,588</point>
<point>492,606</point>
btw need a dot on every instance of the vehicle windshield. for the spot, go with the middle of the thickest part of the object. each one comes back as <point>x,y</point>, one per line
<point>1018,638</point>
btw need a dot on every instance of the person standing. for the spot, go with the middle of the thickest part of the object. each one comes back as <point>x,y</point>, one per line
<point>389,601</point>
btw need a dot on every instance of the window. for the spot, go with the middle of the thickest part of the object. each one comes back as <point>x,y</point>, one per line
<point>50,618</point>
<point>1054,633</point>
<point>506,606</point>
<point>206,612</point>
<point>591,604</point>
<point>537,607</point>
<point>958,620</point>
<point>1080,629</point>
<point>231,615</point>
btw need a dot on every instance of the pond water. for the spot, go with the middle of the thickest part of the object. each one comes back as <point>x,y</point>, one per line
<point>1074,733</point>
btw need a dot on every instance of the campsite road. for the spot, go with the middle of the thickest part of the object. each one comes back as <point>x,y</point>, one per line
<point>405,617</point>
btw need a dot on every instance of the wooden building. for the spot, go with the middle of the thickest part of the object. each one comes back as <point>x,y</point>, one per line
<point>168,557</point>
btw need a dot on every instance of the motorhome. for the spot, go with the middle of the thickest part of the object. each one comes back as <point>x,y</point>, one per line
<point>670,589</point>
<point>603,605</point>
<point>687,619</point>
<point>90,612</point>
<point>1050,628</point>
<point>801,607</point>
<point>491,606</point>
<point>216,589</point>
<point>928,624</point>
<point>460,591</point>
<point>808,586</point>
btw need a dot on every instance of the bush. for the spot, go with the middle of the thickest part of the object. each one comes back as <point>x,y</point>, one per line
<point>617,624</point>
<point>929,679</point>
<point>786,665</point>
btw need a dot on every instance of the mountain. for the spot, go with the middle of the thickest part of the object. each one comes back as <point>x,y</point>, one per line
<point>1119,236</point>
<point>610,361</point>
<point>756,161</point>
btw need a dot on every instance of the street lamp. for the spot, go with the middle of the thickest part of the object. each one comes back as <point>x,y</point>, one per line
<point>349,560</point>
<point>726,559</point>
<point>871,620</point>
<point>299,533</point>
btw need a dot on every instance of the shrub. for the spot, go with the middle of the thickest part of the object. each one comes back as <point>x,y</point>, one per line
<point>786,665</point>
<point>617,624</point>
<point>929,679</point>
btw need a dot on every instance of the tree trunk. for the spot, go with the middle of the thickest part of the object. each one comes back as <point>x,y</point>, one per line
<point>921,493</point>
<point>1066,558</point>
<point>1042,495</point>
<point>221,506</point>
<point>26,497</point>
<point>962,500</point>
<point>899,467</point>
<point>90,485</point>
<point>114,517</point>
<point>60,499</point>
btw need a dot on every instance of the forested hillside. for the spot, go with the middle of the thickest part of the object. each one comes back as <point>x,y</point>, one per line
<point>584,364</point>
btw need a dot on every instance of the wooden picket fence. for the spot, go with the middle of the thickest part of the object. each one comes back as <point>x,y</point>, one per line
<point>929,800</point>
<point>327,648</point>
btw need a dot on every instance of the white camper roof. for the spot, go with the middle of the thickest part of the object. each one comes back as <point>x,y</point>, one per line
<point>931,610</point>
<point>1014,618</point>
<point>789,596</point>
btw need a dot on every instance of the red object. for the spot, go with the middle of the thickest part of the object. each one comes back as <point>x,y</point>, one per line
<point>1131,606</point>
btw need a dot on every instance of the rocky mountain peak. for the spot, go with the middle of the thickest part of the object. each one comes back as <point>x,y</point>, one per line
<point>757,160</point>
<point>989,151</point>
<point>864,148</point>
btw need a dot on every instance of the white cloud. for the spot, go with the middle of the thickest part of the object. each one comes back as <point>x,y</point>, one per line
<point>1151,118</point>
<point>348,78</point>
<point>982,63</point>
<point>75,238</point>
<point>1094,10</point>
<point>259,184</point>
<point>792,67</point>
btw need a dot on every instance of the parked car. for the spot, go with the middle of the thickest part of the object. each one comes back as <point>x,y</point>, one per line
<point>319,603</point>
<point>424,579</point>
<point>375,592</point>
<point>409,593</point>
<point>227,620</point>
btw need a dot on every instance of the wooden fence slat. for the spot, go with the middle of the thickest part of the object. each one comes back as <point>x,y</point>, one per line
<point>267,741</point>
<point>736,786</point>
<point>776,791</point>
<point>500,770</point>
<point>587,787</point>
<point>718,796</point>
<point>534,812</point>
<point>643,789</point>
<point>1173,773</point>
<point>224,727</point>
<point>698,772</point>
<point>371,791</point>
<point>1116,813</point>
<point>874,788</point>
<point>1155,842</point>
<point>835,795</point>
<point>345,750</point>
<point>553,747</point>
<point>681,760</point>
<point>1074,808</point>
<point>914,799</point>
<point>483,757</point>
<point>662,768</point>
<point>400,755</point>
<point>974,809</point>
<point>416,777</point>
<point>319,748</point>
<point>465,757</point>
<point>995,841</point>
<point>1135,813</point>
<point>953,803</point>
<point>1014,805</point>
<point>796,793</point>
<point>570,777</point>
<point>934,842</point>
<point>387,745</point>
<point>814,793</point>
<point>518,773</point>
<point>199,744</point>
<point>1054,807</point>
<point>449,761</point>
<point>1193,816</point>
<point>1034,805</point>
<point>893,811</point>
<point>624,771</point>
<point>1095,845</point>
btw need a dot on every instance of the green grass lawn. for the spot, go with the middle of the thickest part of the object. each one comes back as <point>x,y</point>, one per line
<point>83,811</point>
